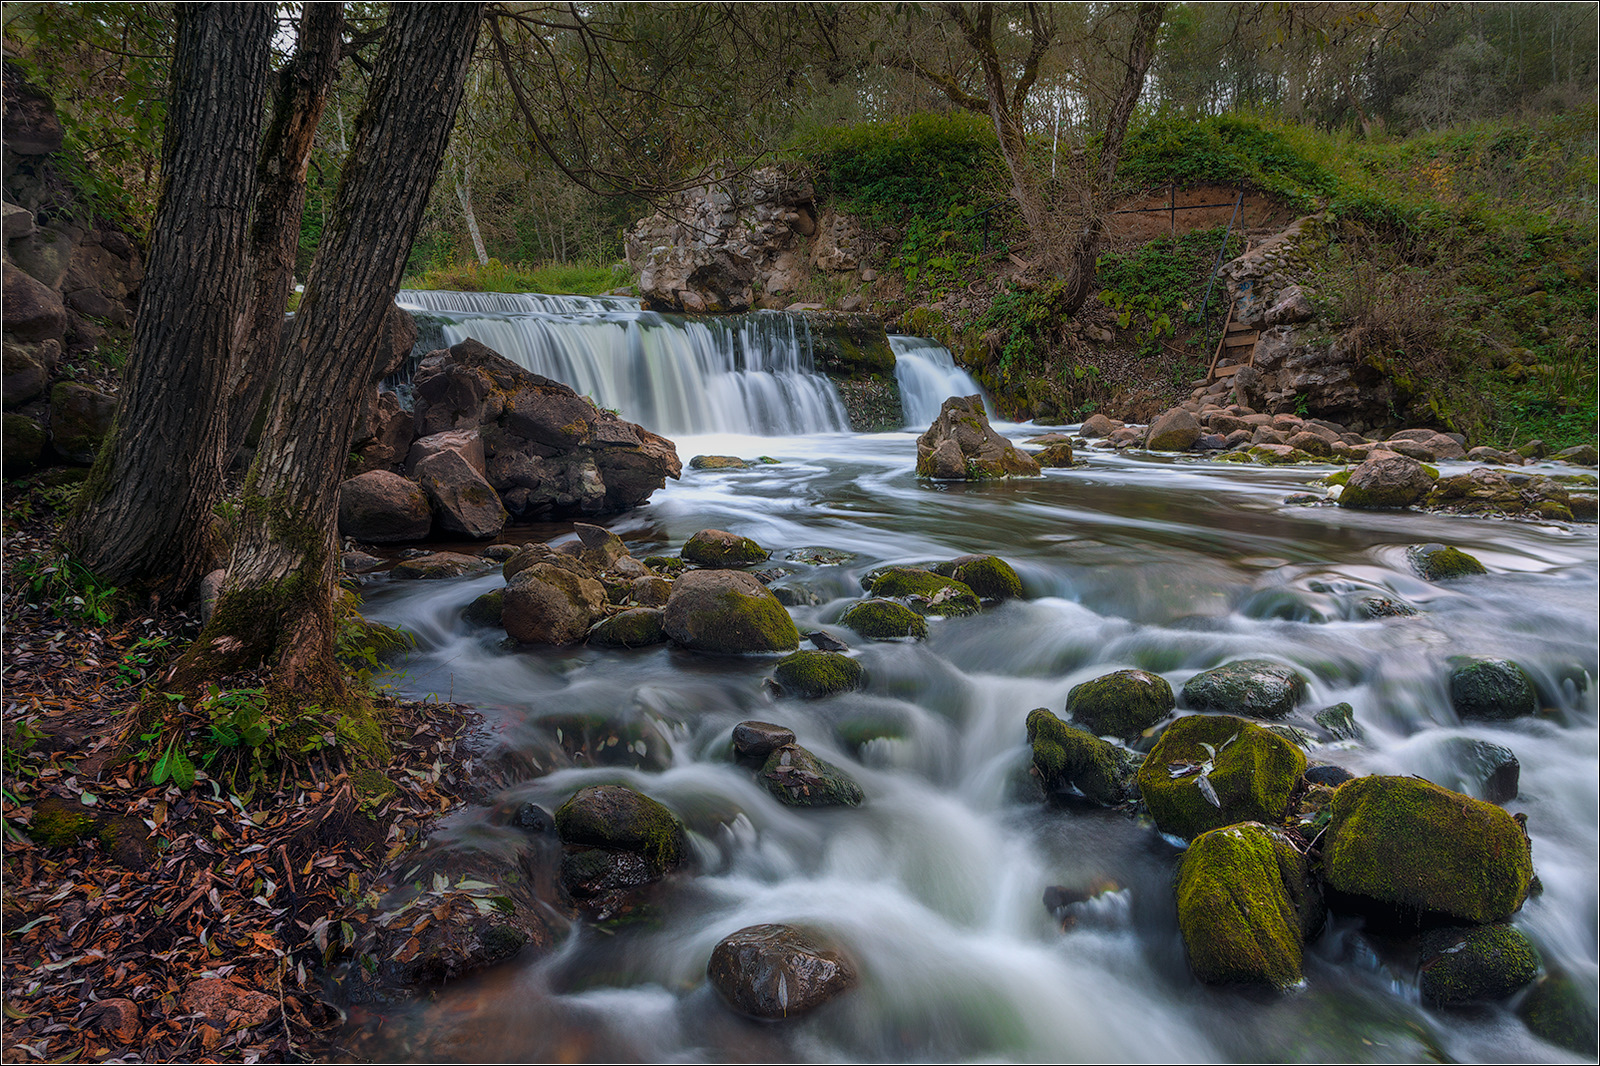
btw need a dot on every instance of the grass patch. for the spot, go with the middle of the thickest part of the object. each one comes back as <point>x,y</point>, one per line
<point>575,279</point>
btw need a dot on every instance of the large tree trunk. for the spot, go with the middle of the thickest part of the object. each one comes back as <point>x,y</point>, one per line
<point>277,602</point>
<point>303,86</point>
<point>144,517</point>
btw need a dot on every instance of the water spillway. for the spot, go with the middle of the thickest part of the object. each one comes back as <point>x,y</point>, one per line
<point>749,374</point>
<point>927,375</point>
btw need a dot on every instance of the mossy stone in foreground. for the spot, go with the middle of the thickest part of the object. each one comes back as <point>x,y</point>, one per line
<point>718,548</point>
<point>926,592</point>
<point>617,817</point>
<point>1246,904</point>
<point>1257,688</point>
<point>1071,760</point>
<point>1208,771</point>
<point>800,779</point>
<point>879,619</point>
<point>1495,689</point>
<point>1438,562</point>
<point>814,674</point>
<point>1413,847</point>
<point>1558,1010</point>
<point>727,611</point>
<point>990,576</point>
<point>486,610</point>
<point>635,628</point>
<point>1479,962</point>
<point>1121,704</point>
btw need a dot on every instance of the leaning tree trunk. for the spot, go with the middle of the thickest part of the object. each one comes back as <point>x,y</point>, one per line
<point>277,601</point>
<point>303,86</point>
<point>144,517</point>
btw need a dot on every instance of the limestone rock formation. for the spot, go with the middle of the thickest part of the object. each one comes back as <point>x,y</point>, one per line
<point>962,446</point>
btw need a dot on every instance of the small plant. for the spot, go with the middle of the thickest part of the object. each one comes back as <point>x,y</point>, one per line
<point>136,663</point>
<point>68,588</point>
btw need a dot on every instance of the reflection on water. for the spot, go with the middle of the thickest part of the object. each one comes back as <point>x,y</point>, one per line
<point>935,882</point>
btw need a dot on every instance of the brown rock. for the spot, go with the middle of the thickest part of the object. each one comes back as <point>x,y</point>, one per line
<point>1098,426</point>
<point>756,740</point>
<point>27,370</point>
<point>117,1018</point>
<point>1311,443</point>
<point>545,604</point>
<point>383,508</point>
<point>385,433</point>
<point>465,442</point>
<point>226,1005</point>
<point>33,311</point>
<point>80,418</point>
<point>985,453</point>
<point>729,612</point>
<point>650,590</point>
<point>463,502</point>
<point>1385,480</point>
<point>778,971</point>
<point>1175,431</point>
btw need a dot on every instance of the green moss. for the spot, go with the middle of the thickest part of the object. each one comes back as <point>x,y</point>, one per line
<point>617,817</point>
<point>1556,1009</point>
<point>57,824</point>
<point>718,462</point>
<point>1251,775</point>
<point>636,628</point>
<point>1340,720</point>
<point>1436,562</point>
<point>1338,477</point>
<point>1410,845</point>
<point>487,609</point>
<point>1259,688</point>
<point>1121,704</point>
<point>1494,689</point>
<point>371,783</point>
<point>1482,962</point>
<point>814,674</point>
<point>1232,457</point>
<point>1071,760</point>
<point>991,577</point>
<point>800,779</point>
<point>878,619</point>
<point>669,565</point>
<point>715,548</point>
<point>926,592</point>
<point>1245,905</point>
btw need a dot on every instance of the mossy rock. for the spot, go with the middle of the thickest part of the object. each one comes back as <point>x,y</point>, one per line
<point>1232,457</point>
<point>1269,457</point>
<point>486,610</point>
<point>1257,688</point>
<point>1493,689</point>
<point>1246,905</point>
<point>989,576</point>
<point>812,675</point>
<point>718,462</point>
<point>1557,1010</point>
<point>1437,562</point>
<point>800,779</point>
<point>926,592</point>
<point>1121,704</point>
<point>727,612</point>
<point>667,565</point>
<point>1074,762</point>
<point>1424,852</point>
<point>618,818</point>
<point>879,619</point>
<point>812,556</point>
<point>636,628</point>
<point>1251,775</point>
<point>1476,963</point>
<point>59,823</point>
<point>23,446</point>
<point>718,548</point>
<point>1340,720</point>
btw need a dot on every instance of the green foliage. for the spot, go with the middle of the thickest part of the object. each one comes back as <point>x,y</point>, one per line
<point>582,279</point>
<point>1224,150</point>
<point>69,589</point>
<point>1026,319</point>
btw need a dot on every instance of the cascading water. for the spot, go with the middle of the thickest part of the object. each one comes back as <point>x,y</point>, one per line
<point>927,375</point>
<point>747,373</point>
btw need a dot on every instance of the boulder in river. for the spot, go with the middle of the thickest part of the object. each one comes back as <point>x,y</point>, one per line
<point>379,507</point>
<point>727,611</point>
<point>1256,688</point>
<point>1175,430</point>
<point>1439,562</point>
<point>1246,906</point>
<point>720,549</point>
<point>962,446</point>
<point>800,779</point>
<point>637,627</point>
<point>1386,480</point>
<point>1208,771</point>
<point>549,604</point>
<point>880,619</point>
<point>1560,1010</point>
<point>1122,704</point>
<point>989,576</point>
<point>778,971</point>
<point>1493,689</point>
<point>925,592</point>
<point>756,740</point>
<point>618,841</point>
<point>812,675</point>
<point>1463,965</point>
<point>1072,762</point>
<point>1411,848</point>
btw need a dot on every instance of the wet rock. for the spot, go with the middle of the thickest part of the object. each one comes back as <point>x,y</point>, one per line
<point>800,779</point>
<point>618,818</point>
<point>80,418</point>
<point>23,445</point>
<point>718,462</point>
<point>1174,431</point>
<point>879,619</point>
<point>1121,704</point>
<point>925,592</point>
<point>1477,767</point>
<point>1246,906</point>
<point>549,604</point>
<point>1328,775</point>
<point>727,611</point>
<point>463,501</point>
<point>1386,480</point>
<point>1493,689</point>
<point>1099,426</point>
<point>1414,848</point>
<point>486,610</point>
<point>1384,607</point>
<point>379,507</point>
<point>757,740</point>
<point>434,566</point>
<point>983,452</point>
<point>650,591</point>
<point>717,548</point>
<point>1073,762</point>
<point>383,437</point>
<point>1258,688</point>
<point>636,628</point>
<point>819,556</point>
<point>1558,1010</point>
<point>1055,457</point>
<point>811,675</point>
<point>778,971</point>
<point>1437,562</point>
<point>1482,962</point>
<point>1340,720</point>
<point>826,642</point>
<point>359,562</point>
<point>1208,771</point>
<point>989,576</point>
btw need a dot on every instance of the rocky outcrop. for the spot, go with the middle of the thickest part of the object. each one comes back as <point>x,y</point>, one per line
<point>962,446</point>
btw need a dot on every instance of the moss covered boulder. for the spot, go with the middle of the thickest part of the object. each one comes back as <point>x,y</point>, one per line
<point>24,445</point>
<point>961,445</point>
<point>926,592</point>
<point>1208,771</point>
<point>727,611</point>
<point>879,619</point>
<point>1388,480</point>
<point>1561,1011</point>
<point>1256,688</point>
<point>800,779</point>
<point>718,548</point>
<point>486,610</point>
<point>989,576</point>
<point>1439,562</point>
<point>718,462</point>
<point>1479,962</point>
<point>618,818</point>
<point>549,604</point>
<point>636,628</point>
<point>1246,905</point>
<point>1121,704</point>
<point>1411,847</point>
<point>1072,762</point>
<point>812,675</point>
<point>1495,689</point>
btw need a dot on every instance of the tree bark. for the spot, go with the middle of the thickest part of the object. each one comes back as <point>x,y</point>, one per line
<point>144,516</point>
<point>464,194</point>
<point>277,602</point>
<point>302,92</point>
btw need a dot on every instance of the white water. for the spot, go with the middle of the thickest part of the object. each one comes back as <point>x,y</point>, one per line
<point>927,375</point>
<point>934,883</point>
<point>735,374</point>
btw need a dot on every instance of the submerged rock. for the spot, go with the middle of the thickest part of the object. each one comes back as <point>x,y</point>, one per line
<point>1259,688</point>
<point>1121,704</point>
<point>962,446</point>
<point>626,738</point>
<point>1074,762</point>
<point>1482,962</point>
<point>778,971</point>
<point>925,592</point>
<point>1495,689</point>
<point>1557,1009</point>
<point>879,619</point>
<point>800,779</point>
<point>1208,771</point>
<point>718,548</point>
<point>1437,562</point>
<point>727,611</point>
<point>1410,846</point>
<point>1246,906</point>
<point>812,675</point>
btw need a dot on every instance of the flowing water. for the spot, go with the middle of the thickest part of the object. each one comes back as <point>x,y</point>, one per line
<point>927,375</point>
<point>935,882</point>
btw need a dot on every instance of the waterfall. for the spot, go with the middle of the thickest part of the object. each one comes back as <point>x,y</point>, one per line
<point>749,373</point>
<point>927,375</point>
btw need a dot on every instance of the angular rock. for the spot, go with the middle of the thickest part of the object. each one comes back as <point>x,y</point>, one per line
<point>379,507</point>
<point>1578,455</point>
<point>547,604</point>
<point>463,501</point>
<point>1121,704</point>
<point>778,971</point>
<point>1174,431</point>
<point>384,437</point>
<point>80,418</point>
<point>1072,762</point>
<point>718,548</point>
<point>757,740</point>
<point>727,611</point>
<point>1386,480</point>
<point>985,454</point>
<point>468,443</point>
<point>1257,688</point>
<point>33,311</point>
<point>438,566</point>
<point>800,779</point>
<point>1339,720</point>
<point>1208,771</point>
<point>879,619</point>
<point>811,675</point>
<point>1492,689</point>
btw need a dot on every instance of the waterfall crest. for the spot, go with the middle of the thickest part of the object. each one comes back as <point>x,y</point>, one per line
<point>927,375</point>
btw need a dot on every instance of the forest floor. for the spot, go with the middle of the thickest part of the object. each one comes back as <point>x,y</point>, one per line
<point>147,922</point>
